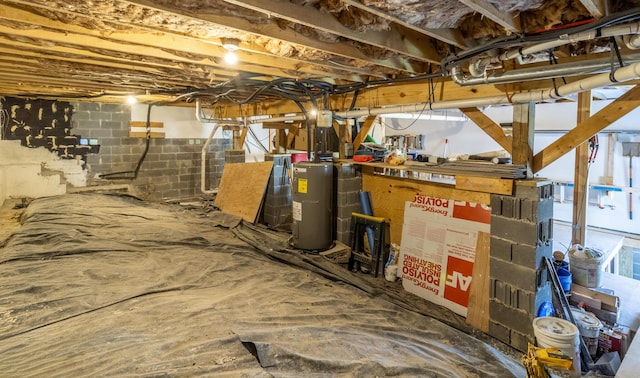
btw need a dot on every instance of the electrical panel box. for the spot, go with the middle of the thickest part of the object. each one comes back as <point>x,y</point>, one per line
<point>324,118</point>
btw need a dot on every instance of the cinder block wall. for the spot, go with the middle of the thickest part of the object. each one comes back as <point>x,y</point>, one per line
<point>521,234</point>
<point>278,199</point>
<point>348,182</point>
<point>171,169</point>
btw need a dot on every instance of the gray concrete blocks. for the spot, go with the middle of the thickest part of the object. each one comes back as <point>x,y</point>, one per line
<point>348,185</point>
<point>513,318</point>
<point>520,238</point>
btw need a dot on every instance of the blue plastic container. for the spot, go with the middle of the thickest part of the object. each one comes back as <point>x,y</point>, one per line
<point>565,277</point>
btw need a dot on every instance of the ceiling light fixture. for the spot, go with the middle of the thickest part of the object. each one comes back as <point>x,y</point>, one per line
<point>231,45</point>
<point>131,99</point>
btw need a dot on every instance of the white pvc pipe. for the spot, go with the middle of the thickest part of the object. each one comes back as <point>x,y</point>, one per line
<point>203,162</point>
<point>630,72</point>
<point>477,67</point>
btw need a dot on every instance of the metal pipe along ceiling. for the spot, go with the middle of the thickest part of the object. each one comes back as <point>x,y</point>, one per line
<point>542,72</point>
<point>630,72</point>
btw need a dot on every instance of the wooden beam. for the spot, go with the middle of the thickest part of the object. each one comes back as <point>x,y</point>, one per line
<point>606,116</point>
<point>398,39</point>
<point>449,36</point>
<point>364,130</point>
<point>523,133</point>
<point>595,7</point>
<point>154,44</point>
<point>581,176</point>
<point>485,184</point>
<point>488,126</point>
<point>243,135</point>
<point>292,134</point>
<point>488,10</point>
<point>272,30</point>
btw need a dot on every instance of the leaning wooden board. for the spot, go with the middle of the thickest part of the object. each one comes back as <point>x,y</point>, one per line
<point>478,306</point>
<point>242,188</point>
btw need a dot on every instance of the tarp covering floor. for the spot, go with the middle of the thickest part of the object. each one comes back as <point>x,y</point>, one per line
<point>105,285</point>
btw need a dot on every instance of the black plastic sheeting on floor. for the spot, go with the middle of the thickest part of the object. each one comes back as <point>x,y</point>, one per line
<point>104,285</point>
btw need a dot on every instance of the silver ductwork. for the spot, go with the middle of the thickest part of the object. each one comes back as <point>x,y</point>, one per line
<point>538,73</point>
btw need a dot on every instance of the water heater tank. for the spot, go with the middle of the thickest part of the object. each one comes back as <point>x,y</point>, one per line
<point>312,194</point>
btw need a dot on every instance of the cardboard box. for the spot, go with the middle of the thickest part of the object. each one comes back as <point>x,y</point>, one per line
<point>604,306</point>
<point>613,339</point>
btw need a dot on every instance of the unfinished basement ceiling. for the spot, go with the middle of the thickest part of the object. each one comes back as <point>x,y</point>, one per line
<point>106,48</point>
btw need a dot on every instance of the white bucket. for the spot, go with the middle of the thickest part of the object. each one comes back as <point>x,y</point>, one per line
<point>589,326</point>
<point>558,333</point>
<point>585,269</point>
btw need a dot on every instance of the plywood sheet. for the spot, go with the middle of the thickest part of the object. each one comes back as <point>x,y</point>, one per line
<point>242,188</point>
<point>389,194</point>
<point>478,307</point>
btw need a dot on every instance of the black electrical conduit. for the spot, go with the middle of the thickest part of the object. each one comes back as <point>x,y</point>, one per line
<point>123,174</point>
<point>614,18</point>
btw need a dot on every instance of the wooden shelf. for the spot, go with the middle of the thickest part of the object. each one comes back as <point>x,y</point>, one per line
<point>472,181</point>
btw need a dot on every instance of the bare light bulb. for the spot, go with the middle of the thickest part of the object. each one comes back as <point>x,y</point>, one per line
<point>131,99</point>
<point>230,58</point>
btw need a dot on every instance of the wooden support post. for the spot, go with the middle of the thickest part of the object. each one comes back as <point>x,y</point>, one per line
<point>243,135</point>
<point>523,132</point>
<point>581,176</point>
<point>364,130</point>
<point>603,118</point>
<point>611,147</point>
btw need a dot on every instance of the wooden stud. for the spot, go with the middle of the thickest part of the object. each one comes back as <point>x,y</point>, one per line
<point>523,133</point>
<point>581,176</point>
<point>606,116</point>
<point>362,134</point>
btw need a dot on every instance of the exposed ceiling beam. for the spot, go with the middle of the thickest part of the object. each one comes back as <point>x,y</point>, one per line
<point>155,45</point>
<point>488,10</point>
<point>588,128</point>
<point>273,31</point>
<point>595,7</point>
<point>450,36</point>
<point>398,39</point>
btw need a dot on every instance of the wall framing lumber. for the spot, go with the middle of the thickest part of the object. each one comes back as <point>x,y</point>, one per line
<point>389,194</point>
<point>523,135</point>
<point>596,123</point>
<point>581,176</point>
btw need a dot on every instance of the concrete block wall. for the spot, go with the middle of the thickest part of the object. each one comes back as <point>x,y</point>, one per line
<point>521,234</point>
<point>171,169</point>
<point>234,156</point>
<point>348,183</point>
<point>278,201</point>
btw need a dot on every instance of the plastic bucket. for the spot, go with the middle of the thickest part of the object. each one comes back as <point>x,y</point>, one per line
<point>589,326</point>
<point>565,278</point>
<point>586,270</point>
<point>558,333</point>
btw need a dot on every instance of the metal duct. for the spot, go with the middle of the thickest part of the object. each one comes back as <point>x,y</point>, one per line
<point>478,66</point>
<point>538,73</point>
<point>630,72</point>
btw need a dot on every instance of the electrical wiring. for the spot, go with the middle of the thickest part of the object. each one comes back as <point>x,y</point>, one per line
<point>546,36</point>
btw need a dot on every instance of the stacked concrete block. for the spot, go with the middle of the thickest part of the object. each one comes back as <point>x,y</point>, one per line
<point>520,238</point>
<point>234,156</point>
<point>171,168</point>
<point>277,210</point>
<point>348,183</point>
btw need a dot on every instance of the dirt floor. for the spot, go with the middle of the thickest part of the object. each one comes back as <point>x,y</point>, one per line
<point>108,285</point>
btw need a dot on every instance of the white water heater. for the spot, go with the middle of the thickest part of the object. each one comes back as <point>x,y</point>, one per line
<point>312,195</point>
